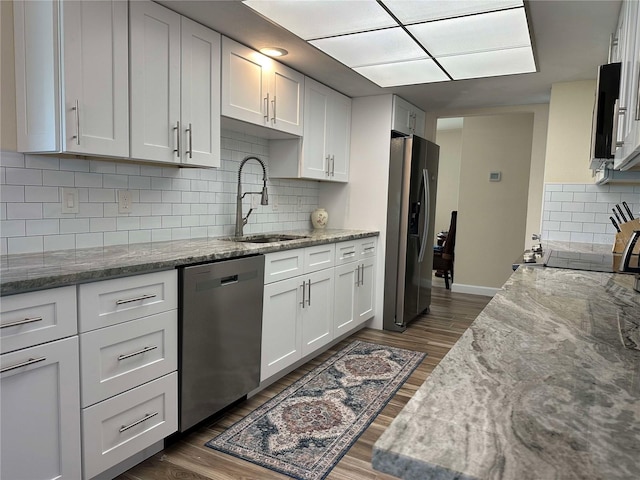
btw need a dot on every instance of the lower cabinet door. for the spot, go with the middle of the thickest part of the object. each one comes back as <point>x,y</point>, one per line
<point>317,314</point>
<point>344,312</point>
<point>365,301</point>
<point>40,411</point>
<point>124,425</point>
<point>281,329</point>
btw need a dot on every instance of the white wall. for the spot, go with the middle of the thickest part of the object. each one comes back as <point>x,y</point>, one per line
<point>492,215</point>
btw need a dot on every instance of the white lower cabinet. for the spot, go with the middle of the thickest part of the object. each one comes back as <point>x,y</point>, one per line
<point>40,411</point>
<point>309,301</point>
<point>354,302</point>
<point>123,425</point>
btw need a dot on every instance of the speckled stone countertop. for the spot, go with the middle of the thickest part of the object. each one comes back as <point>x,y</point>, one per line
<point>27,272</point>
<point>545,384</point>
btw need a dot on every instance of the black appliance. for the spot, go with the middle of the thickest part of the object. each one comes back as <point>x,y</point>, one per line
<point>605,114</point>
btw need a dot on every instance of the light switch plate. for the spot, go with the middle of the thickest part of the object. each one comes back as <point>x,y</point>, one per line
<point>495,176</point>
<point>70,201</point>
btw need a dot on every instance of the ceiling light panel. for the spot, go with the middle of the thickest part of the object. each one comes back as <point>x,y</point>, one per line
<point>475,33</point>
<point>310,19</point>
<point>370,48</point>
<point>413,11</point>
<point>403,73</point>
<point>490,64</point>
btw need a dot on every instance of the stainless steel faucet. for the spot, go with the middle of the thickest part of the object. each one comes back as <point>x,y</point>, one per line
<point>264,198</point>
<point>626,259</point>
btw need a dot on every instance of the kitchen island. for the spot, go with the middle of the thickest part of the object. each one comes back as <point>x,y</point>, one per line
<point>545,384</point>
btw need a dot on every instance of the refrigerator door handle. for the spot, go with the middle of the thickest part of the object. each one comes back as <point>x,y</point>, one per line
<point>426,210</point>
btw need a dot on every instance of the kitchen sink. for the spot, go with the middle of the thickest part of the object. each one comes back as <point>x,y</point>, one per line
<point>265,238</point>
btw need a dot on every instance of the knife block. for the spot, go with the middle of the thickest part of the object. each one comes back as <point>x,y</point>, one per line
<point>622,238</point>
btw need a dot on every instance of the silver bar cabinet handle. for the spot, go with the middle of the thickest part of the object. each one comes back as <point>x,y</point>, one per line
<point>328,158</point>
<point>333,165</point>
<point>139,352</point>
<point>358,276</point>
<point>76,109</point>
<point>190,151</point>
<point>309,300</point>
<point>266,108</point>
<point>638,100</point>
<point>273,102</point>
<point>304,292</point>
<point>138,422</point>
<point>177,130</point>
<point>21,322</point>
<point>362,273</point>
<point>31,361</point>
<point>141,297</point>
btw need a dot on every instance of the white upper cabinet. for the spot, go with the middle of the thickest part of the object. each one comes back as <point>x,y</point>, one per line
<point>72,77</point>
<point>323,153</point>
<point>627,52</point>
<point>407,118</point>
<point>259,90</point>
<point>175,85</point>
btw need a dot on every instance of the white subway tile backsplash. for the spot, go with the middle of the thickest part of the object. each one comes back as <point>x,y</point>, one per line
<point>168,202</point>
<point>585,217</point>
<point>13,228</point>
<point>17,245</point>
<point>59,242</point>
<point>41,194</point>
<point>24,211</point>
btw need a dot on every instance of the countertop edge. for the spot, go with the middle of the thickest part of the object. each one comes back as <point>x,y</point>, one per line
<point>215,249</point>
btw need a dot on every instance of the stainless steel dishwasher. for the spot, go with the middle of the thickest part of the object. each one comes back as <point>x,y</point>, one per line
<point>220,335</point>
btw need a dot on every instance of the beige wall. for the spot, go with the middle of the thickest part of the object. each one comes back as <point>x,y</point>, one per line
<point>491,215</point>
<point>7,79</point>
<point>569,138</point>
<point>540,113</point>
<point>450,142</point>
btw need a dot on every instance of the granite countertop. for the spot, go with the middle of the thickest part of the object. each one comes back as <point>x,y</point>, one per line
<point>27,272</point>
<point>540,386</point>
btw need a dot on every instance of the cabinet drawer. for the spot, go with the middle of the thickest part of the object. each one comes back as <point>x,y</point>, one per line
<point>33,318</point>
<point>367,247</point>
<point>109,302</point>
<point>118,358</point>
<point>283,265</point>
<point>346,252</point>
<point>124,425</point>
<point>319,257</point>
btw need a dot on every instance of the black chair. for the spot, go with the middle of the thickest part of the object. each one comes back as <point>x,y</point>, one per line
<point>443,256</point>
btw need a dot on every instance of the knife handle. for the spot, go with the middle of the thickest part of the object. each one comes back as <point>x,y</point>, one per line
<point>616,214</point>
<point>614,224</point>
<point>621,213</point>
<point>626,207</point>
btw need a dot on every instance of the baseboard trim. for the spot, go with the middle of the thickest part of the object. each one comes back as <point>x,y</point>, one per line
<point>474,289</point>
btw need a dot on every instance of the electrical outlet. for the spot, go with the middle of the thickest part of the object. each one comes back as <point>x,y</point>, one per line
<point>69,200</point>
<point>124,201</point>
<point>299,203</point>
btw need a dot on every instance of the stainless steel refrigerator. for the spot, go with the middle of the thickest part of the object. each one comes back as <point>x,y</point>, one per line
<point>413,181</point>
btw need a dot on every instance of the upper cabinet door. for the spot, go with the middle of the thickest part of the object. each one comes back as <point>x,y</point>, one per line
<point>155,82</point>
<point>407,118</point>
<point>339,125</point>
<point>87,112</point>
<point>200,99</point>
<point>286,97</point>
<point>315,156</point>
<point>259,90</point>
<point>96,77</point>
<point>244,83</point>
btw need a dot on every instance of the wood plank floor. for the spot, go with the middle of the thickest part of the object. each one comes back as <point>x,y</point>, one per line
<point>435,333</point>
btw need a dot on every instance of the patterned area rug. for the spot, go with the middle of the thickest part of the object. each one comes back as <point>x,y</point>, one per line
<point>305,430</point>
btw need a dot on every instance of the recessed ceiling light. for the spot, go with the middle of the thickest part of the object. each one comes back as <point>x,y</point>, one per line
<point>273,51</point>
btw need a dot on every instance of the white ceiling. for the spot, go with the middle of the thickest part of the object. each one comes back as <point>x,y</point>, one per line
<point>570,37</point>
